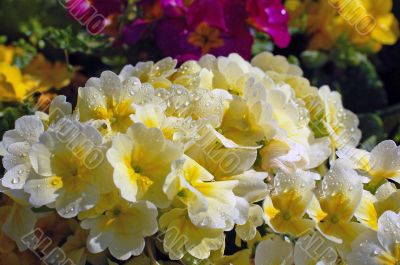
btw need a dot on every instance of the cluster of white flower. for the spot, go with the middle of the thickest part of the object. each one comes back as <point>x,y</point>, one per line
<point>172,158</point>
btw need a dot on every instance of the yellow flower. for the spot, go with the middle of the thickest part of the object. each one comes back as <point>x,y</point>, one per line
<point>367,22</point>
<point>269,63</point>
<point>387,199</point>
<point>381,164</point>
<point>50,75</point>
<point>110,99</point>
<point>381,247</point>
<point>219,155</point>
<point>181,236</point>
<point>341,198</point>
<point>285,208</point>
<point>192,76</point>
<point>73,171</point>
<point>249,120</point>
<point>6,54</point>
<point>378,26</point>
<point>294,145</point>
<point>15,86</point>
<point>230,73</point>
<point>339,124</point>
<point>142,159</point>
<point>210,203</point>
<point>178,130</point>
<point>157,74</point>
<point>122,228</point>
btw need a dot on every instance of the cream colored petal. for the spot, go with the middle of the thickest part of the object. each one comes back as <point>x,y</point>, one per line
<point>126,72</point>
<point>16,177</point>
<point>389,231</point>
<point>366,213</point>
<point>251,185</point>
<point>274,251</point>
<point>71,201</point>
<point>91,104</point>
<point>59,108</point>
<point>29,128</point>
<point>384,191</point>
<point>121,149</point>
<point>40,157</point>
<point>42,191</point>
<point>180,235</point>
<point>314,210</point>
<point>248,230</point>
<point>221,211</point>
<point>385,157</point>
<point>313,248</point>
<point>343,180</point>
<point>365,250</point>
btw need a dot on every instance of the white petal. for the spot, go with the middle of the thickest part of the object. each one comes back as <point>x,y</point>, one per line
<point>251,185</point>
<point>15,178</point>
<point>30,128</point>
<point>126,72</point>
<point>41,191</point>
<point>365,250</point>
<point>385,157</point>
<point>274,251</point>
<point>59,108</point>
<point>313,248</point>
<point>389,231</point>
<point>40,157</point>
<point>111,85</point>
<point>90,99</point>
<point>69,204</point>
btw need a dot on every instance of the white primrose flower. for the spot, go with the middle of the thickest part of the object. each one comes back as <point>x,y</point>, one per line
<point>73,171</point>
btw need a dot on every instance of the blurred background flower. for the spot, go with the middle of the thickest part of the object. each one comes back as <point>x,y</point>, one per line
<point>366,23</point>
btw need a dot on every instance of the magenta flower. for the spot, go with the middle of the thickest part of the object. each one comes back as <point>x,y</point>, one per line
<point>270,17</point>
<point>187,29</point>
<point>84,11</point>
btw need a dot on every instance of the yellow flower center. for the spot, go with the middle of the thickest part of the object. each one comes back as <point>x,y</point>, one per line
<point>118,114</point>
<point>205,37</point>
<point>286,216</point>
<point>335,219</point>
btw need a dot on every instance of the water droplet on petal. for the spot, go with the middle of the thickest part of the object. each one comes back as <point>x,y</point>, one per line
<point>15,180</point>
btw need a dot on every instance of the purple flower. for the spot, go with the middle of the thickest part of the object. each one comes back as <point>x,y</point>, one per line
<point>133,32</point>
<point>207,27</point>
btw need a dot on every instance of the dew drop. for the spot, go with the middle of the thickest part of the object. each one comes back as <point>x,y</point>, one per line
<point>15,180</point>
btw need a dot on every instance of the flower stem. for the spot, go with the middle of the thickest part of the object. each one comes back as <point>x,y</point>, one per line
<point>150,251</point>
